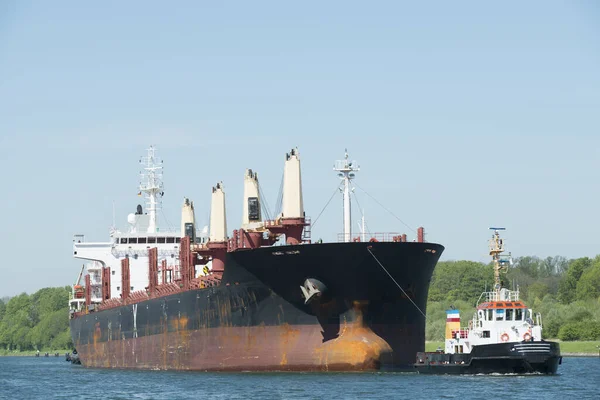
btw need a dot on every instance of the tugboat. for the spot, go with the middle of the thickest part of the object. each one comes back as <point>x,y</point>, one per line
<point>501,338</point>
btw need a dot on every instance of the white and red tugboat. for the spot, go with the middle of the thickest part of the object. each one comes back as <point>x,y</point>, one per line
<point>501,338</point>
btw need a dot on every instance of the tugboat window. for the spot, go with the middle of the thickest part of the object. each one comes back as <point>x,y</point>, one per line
<point>519,314</point>
<point>490,315</point>
<point>486,334</point>
<point>509,314</point>
<point>499,315</point>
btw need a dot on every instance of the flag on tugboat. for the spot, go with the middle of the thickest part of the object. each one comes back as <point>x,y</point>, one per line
<point>452,316</point>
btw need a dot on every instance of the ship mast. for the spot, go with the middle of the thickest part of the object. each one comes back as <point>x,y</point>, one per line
<point>151,185</point>
<point>496,249</point>
<point>346,171</point>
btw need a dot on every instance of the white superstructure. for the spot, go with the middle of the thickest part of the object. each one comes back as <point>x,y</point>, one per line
<point>142,234</point>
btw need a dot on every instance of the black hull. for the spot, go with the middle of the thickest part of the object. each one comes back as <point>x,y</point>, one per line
<point>502,358</point>
<point>256,318</point>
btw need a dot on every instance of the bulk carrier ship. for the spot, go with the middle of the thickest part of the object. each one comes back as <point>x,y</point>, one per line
<point>267,298</point>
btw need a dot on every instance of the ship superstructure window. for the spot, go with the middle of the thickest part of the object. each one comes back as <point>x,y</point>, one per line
<point>142,240</point>
<point>177,240</point>
<point>151,240</point>
<point>509,314</point>
<point>490,315</point>
<point>170,240</point>
<point>500,315</point>
<point>123,240</point>
<point>519,314</point>
<point>132,240</point>
<point>486,334</point>
<point>160,240</point>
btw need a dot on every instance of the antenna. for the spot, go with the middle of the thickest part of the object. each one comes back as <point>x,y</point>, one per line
<point>346,169</point>
<point>500,261</point>
<point>151,185</point>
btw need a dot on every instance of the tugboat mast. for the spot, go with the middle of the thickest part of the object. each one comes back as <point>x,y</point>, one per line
<point>151,185</point>
<point>496,249</point>
<point>346,171</point>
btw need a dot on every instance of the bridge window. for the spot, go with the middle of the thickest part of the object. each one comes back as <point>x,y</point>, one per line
<point>499,315</point>
<point>519,314</point>
<point>132,240</point>
<point>509,314</point>
<point>490,315</point>
<point>178,240</point>
<point>142,240</point>
<point>170,240</point>
<point>151,240</point>
<point>160,240</point>
<point>123,240</point>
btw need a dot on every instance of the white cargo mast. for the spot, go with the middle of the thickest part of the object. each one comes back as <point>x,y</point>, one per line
<point>151,185</point>
<point>346,171</point>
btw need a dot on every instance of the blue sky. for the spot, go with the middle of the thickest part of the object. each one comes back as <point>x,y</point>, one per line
<point>462,115</point>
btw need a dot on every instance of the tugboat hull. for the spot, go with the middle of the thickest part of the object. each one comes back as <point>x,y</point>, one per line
<point>502,358</point>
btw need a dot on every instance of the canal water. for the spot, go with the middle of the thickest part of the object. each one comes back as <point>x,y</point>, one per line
<point>54,378</point>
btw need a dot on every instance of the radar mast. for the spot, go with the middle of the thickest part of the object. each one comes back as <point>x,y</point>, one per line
<point>500,260</point>
<point>151,184</point>
<point>346,169</point>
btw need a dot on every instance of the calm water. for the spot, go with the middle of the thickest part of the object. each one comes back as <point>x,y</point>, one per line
<point>53,378</point>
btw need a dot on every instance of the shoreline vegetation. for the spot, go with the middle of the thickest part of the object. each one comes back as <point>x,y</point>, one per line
<point>565,292</point>
<point>32,353</point>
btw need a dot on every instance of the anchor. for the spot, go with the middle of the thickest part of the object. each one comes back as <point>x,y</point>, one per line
<point>312,289</point>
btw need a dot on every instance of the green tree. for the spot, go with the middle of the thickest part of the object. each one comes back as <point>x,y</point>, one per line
<point>568,286</point>
<point>37,321</point>
<point>537,290</point>
<point>16,323</point>
<point>530,266</point>
<point>460,280</point>
<point>588,286</point>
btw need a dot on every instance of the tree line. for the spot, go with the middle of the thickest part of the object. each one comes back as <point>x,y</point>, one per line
<point>36,322</point>
<point>565,292</point>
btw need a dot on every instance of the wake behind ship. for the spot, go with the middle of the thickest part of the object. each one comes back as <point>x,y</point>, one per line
<point>265,298</point>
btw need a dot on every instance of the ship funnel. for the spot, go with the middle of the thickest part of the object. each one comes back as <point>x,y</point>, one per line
<point>188,220</point>
<point>218,220</point>
<point>251,216</point>
<point>452,323</point>
<point>292,187</point>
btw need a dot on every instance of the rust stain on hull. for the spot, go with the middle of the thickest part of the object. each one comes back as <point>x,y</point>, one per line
<point>266,348</point>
